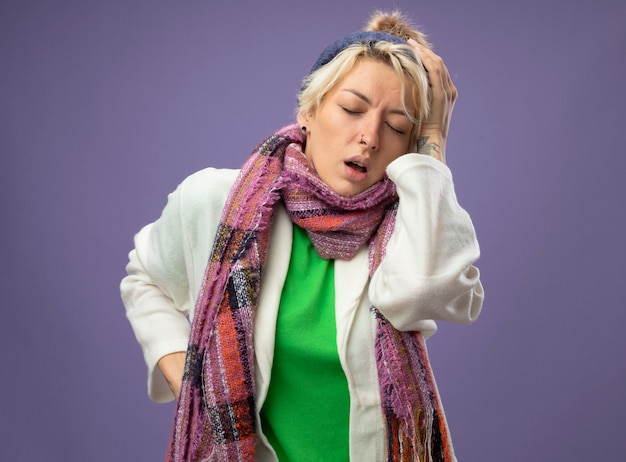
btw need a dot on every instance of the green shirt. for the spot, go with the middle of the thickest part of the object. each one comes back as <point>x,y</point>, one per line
<point>307,410</point>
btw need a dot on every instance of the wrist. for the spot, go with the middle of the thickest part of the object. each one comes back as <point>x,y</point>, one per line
<point>432,145</point>
<point>172,366</point>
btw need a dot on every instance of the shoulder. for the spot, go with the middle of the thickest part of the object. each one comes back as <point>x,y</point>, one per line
<point>209,181</point>
<point>205,190</point>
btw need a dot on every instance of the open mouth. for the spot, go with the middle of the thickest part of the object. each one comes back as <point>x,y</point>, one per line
<point>359,167</point>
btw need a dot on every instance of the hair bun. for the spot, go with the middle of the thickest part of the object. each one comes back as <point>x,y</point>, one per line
<point>395,23</point>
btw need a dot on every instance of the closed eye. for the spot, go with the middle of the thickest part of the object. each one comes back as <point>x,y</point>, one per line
<point>350,111</point>
<point>397,130</point>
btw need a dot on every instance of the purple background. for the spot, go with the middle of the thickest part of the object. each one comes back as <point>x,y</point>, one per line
<point>106,106</point>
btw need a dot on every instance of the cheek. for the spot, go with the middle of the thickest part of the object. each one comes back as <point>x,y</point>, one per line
<point>332,137</point>
<point>396,149</point>
<point>334,129</point>
<point>396,155</point>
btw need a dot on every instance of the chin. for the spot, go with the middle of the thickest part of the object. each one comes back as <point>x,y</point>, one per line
<point>348,192</point>
<point>346,188</point>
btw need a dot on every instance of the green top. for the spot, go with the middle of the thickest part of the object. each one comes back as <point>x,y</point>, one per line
<point>306,414</point>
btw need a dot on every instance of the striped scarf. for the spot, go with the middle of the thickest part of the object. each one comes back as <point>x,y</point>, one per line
<point>216,415</point>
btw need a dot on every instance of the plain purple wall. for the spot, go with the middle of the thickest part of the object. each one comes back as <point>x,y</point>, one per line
<point>106,106</point>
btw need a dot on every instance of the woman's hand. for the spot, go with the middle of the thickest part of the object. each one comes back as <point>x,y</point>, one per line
<point>173,367</point>
<point>434,130</point>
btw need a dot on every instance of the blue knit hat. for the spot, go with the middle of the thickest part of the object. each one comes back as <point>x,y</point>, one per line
<point>367,38</point>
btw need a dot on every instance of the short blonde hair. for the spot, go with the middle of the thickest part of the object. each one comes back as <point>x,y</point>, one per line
<point>402,60</point>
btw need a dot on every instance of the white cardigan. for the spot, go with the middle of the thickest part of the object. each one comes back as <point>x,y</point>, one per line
<point>426,275</point>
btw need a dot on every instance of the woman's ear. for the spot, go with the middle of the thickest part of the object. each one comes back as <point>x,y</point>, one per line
<point>304,118</point>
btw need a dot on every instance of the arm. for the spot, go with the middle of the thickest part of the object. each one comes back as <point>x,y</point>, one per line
<point>158,320</point>
<point>165,271</point>
<point>428,271</point>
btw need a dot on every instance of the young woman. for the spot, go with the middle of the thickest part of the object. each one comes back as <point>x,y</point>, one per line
<point>330,255</point>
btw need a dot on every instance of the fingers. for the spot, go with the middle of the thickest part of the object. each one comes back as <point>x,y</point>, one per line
<point>443,95</point>
<point>439,78</point>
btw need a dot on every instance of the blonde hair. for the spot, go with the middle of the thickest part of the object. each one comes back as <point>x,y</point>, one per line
<point>400,57</point>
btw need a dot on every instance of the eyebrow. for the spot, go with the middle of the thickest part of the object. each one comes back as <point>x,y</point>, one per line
<point>365,99</point>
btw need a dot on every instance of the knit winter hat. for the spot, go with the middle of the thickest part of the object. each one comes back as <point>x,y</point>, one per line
<point>364,37</point>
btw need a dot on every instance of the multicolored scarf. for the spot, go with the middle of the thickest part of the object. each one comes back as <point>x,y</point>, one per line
<point>216,416</point>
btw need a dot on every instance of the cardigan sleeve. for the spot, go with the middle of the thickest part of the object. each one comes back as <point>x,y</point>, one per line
<point>166,268</point>
<point>428,271</point>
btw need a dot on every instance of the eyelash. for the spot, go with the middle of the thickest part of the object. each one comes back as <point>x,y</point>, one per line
<point>351,112</point>
<point>399,132</point>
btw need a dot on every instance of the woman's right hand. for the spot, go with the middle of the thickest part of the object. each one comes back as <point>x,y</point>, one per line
<point>173,367</point>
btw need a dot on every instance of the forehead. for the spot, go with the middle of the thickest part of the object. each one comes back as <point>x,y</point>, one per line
<point>379,80</point>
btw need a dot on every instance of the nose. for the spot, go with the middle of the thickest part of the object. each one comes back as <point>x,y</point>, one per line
<point>370,134</point>
<point>369,138</point>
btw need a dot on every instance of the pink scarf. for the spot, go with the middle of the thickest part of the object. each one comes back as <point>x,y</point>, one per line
<point>216,415</point>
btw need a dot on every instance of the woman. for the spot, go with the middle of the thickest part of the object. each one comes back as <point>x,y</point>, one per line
<point>330,255</point>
